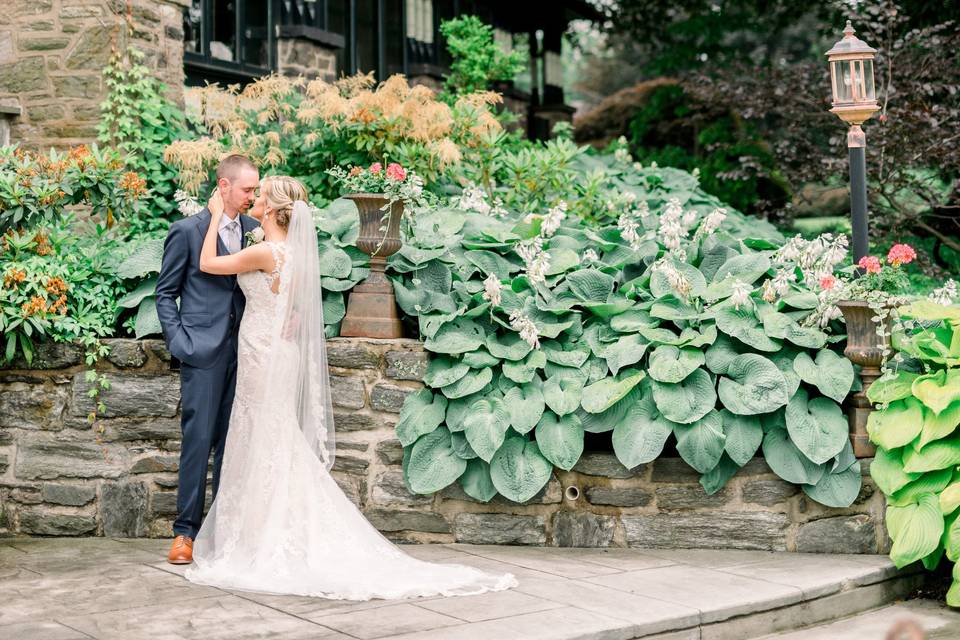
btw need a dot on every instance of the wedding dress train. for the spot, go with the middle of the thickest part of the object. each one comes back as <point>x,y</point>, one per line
<point>280,523</point>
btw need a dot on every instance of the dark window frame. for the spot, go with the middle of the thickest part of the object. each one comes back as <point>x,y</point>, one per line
<point>204,66</point>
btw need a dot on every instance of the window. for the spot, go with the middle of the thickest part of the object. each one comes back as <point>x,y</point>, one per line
<point>228,40</point>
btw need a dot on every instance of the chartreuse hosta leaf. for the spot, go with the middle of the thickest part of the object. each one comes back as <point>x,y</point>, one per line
<point>937,426</point>
<point>938,390</point>
<point>915,529</point>
<point>898,425</point>
<point>701,443</point>
<point>518,469</point>
<point>933,482</point>
<point>433,463</point>
<point>525,404</point>
<point>686,401</point>
<point>671,364</point>
<point>752,385</point>
<point>600,396</point>
<point>892,386</point>
<point>639,436</point>
<point>887,471</point>
<point>486,426</point>
<point>830,373</point>
<point>476,481</point>
<point>560,439</point>
<point>422,412</point>
<point>818,427</point>
<point>941,454</point>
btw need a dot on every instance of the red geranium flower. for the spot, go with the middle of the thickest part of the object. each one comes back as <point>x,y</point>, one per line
<point>870,263</point>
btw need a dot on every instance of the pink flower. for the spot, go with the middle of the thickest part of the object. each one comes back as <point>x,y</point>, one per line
<point>376,168</point>
<point>901,254</point>
<point>355,171</point>
<point>828,282</point>
<point>870,263</point>
<point>396,172</point>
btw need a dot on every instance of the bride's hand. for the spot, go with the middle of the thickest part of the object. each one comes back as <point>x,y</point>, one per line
<point>215,204</point>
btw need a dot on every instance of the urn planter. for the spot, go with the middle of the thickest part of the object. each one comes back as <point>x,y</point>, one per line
<point>864,349</point>
<point>372,307</point>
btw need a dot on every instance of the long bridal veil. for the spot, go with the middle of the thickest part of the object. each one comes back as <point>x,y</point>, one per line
<point>296,374</point>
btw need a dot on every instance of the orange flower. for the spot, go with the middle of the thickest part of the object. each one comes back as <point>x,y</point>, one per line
<point>14,278</point>
<point>56,286</point>
<point>133,184</point>
<point>36,306</point>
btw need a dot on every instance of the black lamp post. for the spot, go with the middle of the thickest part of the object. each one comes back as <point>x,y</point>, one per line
<point>854,101</point>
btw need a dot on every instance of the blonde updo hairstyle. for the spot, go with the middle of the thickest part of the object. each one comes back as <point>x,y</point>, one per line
<point>281,192</point>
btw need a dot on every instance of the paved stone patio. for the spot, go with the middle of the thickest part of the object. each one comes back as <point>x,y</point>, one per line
<point>69,588</point>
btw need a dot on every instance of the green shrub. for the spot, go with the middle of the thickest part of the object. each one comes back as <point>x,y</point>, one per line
<point>917,432</point>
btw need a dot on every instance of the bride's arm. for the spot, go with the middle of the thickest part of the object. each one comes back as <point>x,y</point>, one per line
<point>258,257</point>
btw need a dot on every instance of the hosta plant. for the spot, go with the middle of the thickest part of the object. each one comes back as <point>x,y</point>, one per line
<point>917,432</point>
<point>668,317</point>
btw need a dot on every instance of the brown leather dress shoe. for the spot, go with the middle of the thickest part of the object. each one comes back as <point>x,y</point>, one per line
<point>181,551</point>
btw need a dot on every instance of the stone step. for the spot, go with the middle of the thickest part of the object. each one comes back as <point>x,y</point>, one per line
<point>914,619</point>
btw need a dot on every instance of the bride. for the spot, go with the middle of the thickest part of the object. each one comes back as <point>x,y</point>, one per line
<point>280,523</point>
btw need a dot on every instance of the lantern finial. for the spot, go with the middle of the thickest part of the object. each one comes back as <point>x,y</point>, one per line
<point>849,31</point>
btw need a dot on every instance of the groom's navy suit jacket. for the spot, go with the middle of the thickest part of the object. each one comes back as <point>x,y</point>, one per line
<point>210,305</point>
<point>202,335</point>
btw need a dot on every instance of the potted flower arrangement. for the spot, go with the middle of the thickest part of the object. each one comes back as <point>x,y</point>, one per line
<point>868,295</point>
<point>380,195</point>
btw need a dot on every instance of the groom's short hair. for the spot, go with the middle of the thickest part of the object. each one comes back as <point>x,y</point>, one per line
<point>231,165</point>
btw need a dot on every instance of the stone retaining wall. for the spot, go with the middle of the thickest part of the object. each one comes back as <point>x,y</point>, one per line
<point>61,476</point>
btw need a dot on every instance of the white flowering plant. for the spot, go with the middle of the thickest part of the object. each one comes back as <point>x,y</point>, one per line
<point>665,316</point>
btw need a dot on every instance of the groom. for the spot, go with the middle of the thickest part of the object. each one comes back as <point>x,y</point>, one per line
<point>202,335</point>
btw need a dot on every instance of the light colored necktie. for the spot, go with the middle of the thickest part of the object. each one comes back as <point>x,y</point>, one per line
<point>233,236</point>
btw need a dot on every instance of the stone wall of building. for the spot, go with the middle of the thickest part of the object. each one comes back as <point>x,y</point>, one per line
<point>52,54</point>
<point>61,476</point>
<point>303,57</point>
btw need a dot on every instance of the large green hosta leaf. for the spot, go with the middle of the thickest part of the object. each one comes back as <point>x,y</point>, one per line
<point>701,443</point>
<point>486,426</point>
<point>743,325</point>
<point>780,325</point>
<point>509,346</point>
<point>753,385</point>
<point>334,262</point>
<point>897,425</point>
<point>838,489</point>
<point>744,268</point>
<point>784,361</point>
<point>518,469</point>
<point>670,364</point>
<point>627,350</point>
<point>456,337</point>
<point>722,352</point>
<point>685,401</point>
<point>443,371</point>
<point>147,322</point>
<point>457,410</point>
<point>915,530</point>
<point>433,463</point>
<point>525,404</point>
<point>787,461</point>
<point>476,481</point>
<point>524,371</point>
<point>563,393</point>
<point>607,420</point>
<point>601,395</point>
<point>492,263</point>
<point>560,439</point>
<point>831,373</point>
<point>570,354</point>
<point>938,390</point>
<point>472,382</point>
<point>146,259</point>
<point>818,427</point>
<point>744,435</point>
<point>660,285</point>
<point>461,446</point>
<point>590,285</point>
<point>639,436</point>
<point>422,412</point>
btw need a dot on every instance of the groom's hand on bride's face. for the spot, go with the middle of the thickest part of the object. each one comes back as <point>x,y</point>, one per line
<point>240,192</point>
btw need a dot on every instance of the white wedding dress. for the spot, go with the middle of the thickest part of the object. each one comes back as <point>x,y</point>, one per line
<point>280,523</point>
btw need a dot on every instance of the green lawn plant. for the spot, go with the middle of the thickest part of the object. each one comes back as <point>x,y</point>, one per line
<point>917,432</point>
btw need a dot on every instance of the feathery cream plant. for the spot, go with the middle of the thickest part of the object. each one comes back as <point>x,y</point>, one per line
<point>350,121</point>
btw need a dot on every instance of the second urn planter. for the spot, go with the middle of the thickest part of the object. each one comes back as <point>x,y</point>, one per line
<point>864,349</point>
<point>372,307</point>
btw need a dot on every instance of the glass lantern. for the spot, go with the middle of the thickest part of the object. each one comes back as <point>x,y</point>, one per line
<point>851,77</point>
